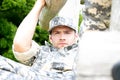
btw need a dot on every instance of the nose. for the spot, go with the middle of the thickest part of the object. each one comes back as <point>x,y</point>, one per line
<point>62,37</point>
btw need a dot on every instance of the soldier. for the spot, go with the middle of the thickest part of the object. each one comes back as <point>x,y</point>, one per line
<point>48,62</point>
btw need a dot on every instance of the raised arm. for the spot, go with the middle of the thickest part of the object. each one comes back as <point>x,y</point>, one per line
<point>23,38</point>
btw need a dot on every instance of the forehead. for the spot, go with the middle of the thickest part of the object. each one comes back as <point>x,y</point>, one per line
<point>62,28</point>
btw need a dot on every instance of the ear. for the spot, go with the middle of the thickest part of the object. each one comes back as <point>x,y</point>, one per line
<point>50,38</point>
<point>77,36</point>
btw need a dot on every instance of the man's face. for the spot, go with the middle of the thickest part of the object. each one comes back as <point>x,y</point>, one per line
<point>62,36</point>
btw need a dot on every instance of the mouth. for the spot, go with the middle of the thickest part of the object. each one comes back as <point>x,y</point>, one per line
<point>63,44</point>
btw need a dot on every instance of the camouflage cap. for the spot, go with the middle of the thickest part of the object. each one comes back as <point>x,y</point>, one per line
<point>58,21</point>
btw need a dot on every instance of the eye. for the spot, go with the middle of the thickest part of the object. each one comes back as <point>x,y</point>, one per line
<point>67,32</point>
<point>56,32</point>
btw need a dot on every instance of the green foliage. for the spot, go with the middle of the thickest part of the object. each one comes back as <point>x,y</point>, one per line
<point>7,31</point>
<point>1,2</point>
<point>82,1</point>
<point>41,35</point>
<point>15,10</point>
<point>80,20</point>
<point>10,4</point>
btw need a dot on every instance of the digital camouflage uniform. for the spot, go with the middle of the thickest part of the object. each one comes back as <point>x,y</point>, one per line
<point>96,15</point>
<point>48,63</point>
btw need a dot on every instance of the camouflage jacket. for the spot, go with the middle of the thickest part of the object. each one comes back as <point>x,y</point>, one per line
<point>96,15</point>
<point>48,63</point>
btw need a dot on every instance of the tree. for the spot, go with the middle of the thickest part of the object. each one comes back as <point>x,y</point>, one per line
<point>15,10</point>
<point>7,31</point>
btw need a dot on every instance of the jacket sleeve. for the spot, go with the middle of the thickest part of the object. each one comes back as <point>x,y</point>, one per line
<point>27,57</point>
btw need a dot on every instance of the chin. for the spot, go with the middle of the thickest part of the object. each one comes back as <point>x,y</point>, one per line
<point>63,46</point>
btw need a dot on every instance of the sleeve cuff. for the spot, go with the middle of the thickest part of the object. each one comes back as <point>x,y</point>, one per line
<point>22,57</point>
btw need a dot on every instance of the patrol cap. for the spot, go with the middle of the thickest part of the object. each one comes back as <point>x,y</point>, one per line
<point>59,21</point>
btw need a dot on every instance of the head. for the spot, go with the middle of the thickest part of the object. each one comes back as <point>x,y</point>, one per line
<point>62,31</point>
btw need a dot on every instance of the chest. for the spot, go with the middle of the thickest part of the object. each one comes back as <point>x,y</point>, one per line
<point>55,60</point>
